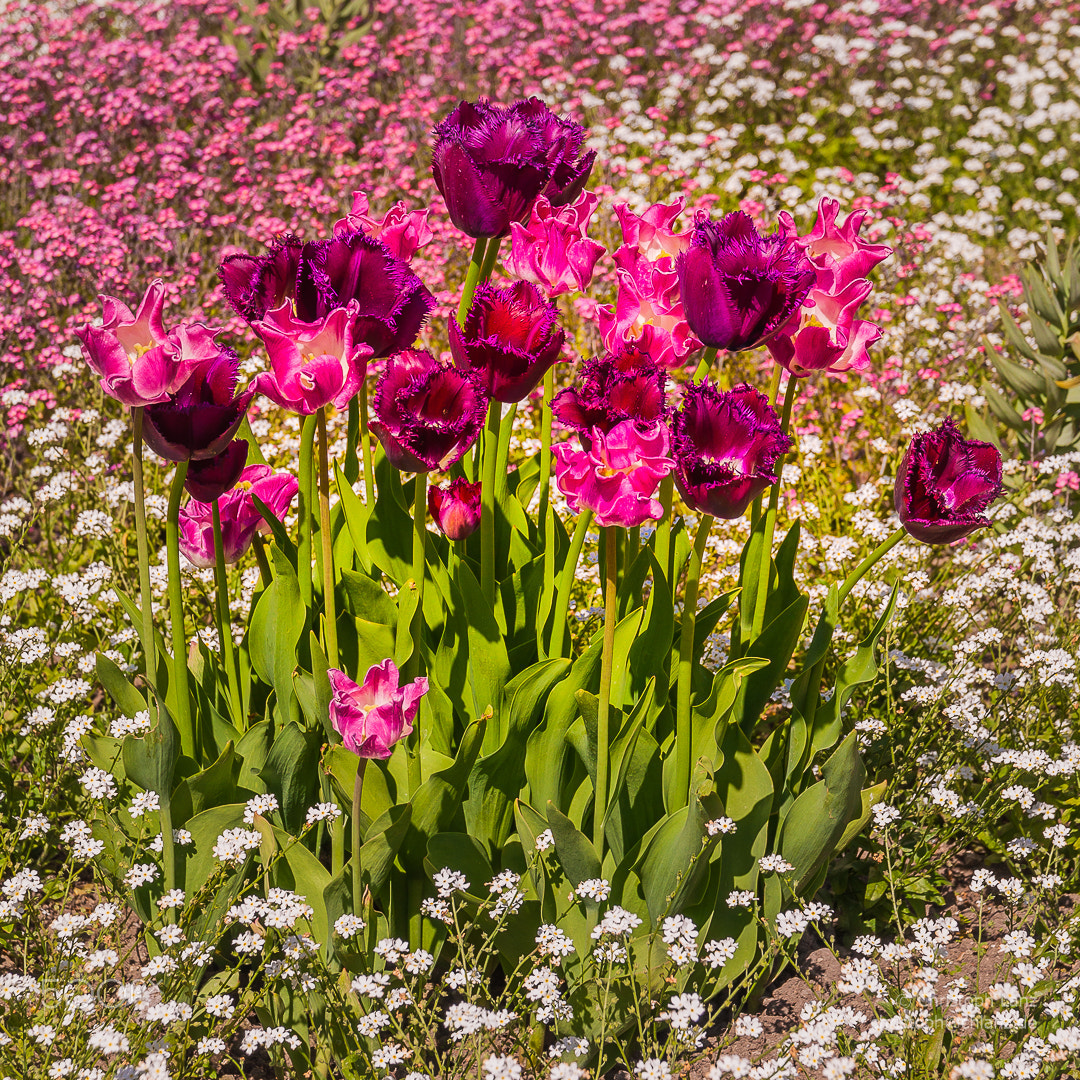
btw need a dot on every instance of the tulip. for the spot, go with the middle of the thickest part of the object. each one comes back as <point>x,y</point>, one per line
<point>725,444</point>
<point>210,478</point>
<point>826,337</point>
<point>200,420</point>
<point>402,231</point>
<point>313,364</point>
<point>617,475</point>
<point>428,413</point>
<point>837,252</point>
<point>455,508</point>
<point>240,519</point>
<point>553,250</point>
<point>610,389</point>
<point>256,284</point>
<point>738,287</point>
<point>491,163</point>
<point>139,363</point>
<point>373,717</point>
<point>945,483</point>
<point>510,338</point>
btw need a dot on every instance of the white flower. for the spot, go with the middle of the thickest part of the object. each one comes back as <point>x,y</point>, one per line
<point>777,863</point>
<point>652,1069</point>
<point>722,825</point>
<point>594,889</point>
<point>448,881</point>
<point>347,925</point>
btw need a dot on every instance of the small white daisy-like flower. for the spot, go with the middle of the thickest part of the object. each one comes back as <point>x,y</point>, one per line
<point>774,864</point>
<point>263,805</point>
<point>545,840</point>
<point>324,811</point>
<point>448,881</point>
<point>594,889</point>
<point>347,926</point>
<point>721,826</point>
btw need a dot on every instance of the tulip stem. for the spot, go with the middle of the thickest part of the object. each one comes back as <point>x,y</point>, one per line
<point>146,630</point>
<point>705,363</point>
<point>184,723</point>
<point>502,463</point>
<point>357,838</point>
<point>490,256</point>
<point>472,276</point>
<point>365,445</point>
<point>611,561</point>
<point>304,511</point>
<point>487,502</point>
<point>228,654</point>
<point>765,566</point>
<point>419,573</point>
<point>774,389</point>
<point>259,546</point>
<point>329,597</point>
<point>566,582</point>
<point>684,728</point>
<point>663,528</point>
<point>545,456</point>
<point>860,571</point>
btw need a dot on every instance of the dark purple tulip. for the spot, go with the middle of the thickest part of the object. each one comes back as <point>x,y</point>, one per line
<point>201,418</point>
<point>455,508</point>
<point>628,385</point>
<point>427,413</point>
<point>256,284</point>
<point>510,339</point>
<point>725,444</point>
<point>490,163</point>
<point>738,288</point>
<point>208,480</point>
<point>944,484</point>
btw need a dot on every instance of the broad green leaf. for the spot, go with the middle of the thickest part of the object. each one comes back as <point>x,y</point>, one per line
<point>150,759</point>
<point>577,856</point>
<point>128,700</point>
<point>277,625</point>
<point>291,773</point>
<point>464,853</point>
<point>214,786</point>
<point>381,845</point>
<point>367,599</point>
<point>252,750</point>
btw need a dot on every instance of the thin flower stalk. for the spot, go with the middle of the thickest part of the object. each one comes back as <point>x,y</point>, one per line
<point>472,278</point>
<point>566,582</point>
<point>663,528</point>
<point>329,596</point>
<point>684,729</point>
<point>365,447</point>
<point>304,510</point>
<point>146,629</point>
<point>184,719</point>
<point>357,836</point>
<point>490,257</point>
<point>228,653</point>
<point>611,566</point>
<point>487,501</point>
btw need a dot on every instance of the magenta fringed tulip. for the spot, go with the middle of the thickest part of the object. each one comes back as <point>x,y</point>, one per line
<point>725,444</point>
<point>617,476</point>
<point>256,284</point>
<point>610,389</point>
<point>312,364</point>
<point>427,413</point>
<point>240,518</point>
<point>373,717</point>
<point>510,338</point>
<point>455,508</point>
<point>403,231</point>
<point>199,421</point>
<point>491,163</point>
<point>827,337</point>
<point>944,485</point>
<point>553,250</point>
<point>738,287</point>
<point>211,478</point>
<point>138,361</point>
<point>837,252</point>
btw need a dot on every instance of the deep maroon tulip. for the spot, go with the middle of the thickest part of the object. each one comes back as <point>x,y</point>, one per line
<point>201,418</point>
<point>322,276</point>
<point>738,287</point>
<point>627,385</point>
<point>725,444</point>
<point>491,163</point>
<point>210,479</point>
<point>427,413</point>
<point>510,339</point>
<point>944,484</point>
<point>455,508</point>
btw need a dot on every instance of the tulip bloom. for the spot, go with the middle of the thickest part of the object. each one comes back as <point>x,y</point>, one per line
<point>373,717</point>
<point>313,364</point>
<point>553,251</point>
<point>256,284</point>
<point>837,252</point>
<point>240,519</point>
<point>945,483</point>
<point>651,233</point>
<point>200,420</point>
<point>403,231</point>
<point>827,337</point>
<point>610,389</point>
<point>491,163</point>
<point>617,476</point>
<point>510,338</point>
<point>139,363</point>
<point>725,444</point>
<point>738,287</point>
<point>455,508</point>
<point>427,413</point>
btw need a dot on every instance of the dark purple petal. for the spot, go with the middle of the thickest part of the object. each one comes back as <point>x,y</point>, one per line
<point>209,479</point>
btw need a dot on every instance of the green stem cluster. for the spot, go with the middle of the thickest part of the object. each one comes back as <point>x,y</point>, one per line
<point>329,595</point>
<point>604,706</point>
<point>184,721</point>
